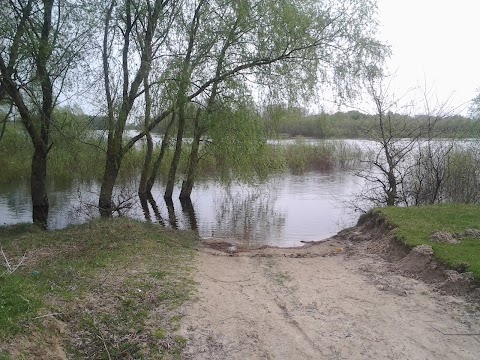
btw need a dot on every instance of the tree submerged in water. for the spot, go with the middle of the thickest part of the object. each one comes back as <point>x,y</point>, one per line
<point>196,67</point>
<point>41,44</point>
<point>198,64</point>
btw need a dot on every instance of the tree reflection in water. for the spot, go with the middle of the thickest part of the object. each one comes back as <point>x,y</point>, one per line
<point>249,216</point>
<point>284,211</point>
<point>172,218</point>
<point>145,201</point>
<point>189,211</point>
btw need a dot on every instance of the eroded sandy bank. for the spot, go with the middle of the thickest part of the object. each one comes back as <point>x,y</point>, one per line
<point>355,296</point>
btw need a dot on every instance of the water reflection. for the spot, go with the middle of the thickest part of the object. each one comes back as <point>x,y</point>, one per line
<point>155,209</point>
<point>172,217</point>
<point>248,214</point>
<point>15,202</point>
<point>189,211</point>
<point>145,208</point>
<point>281,212</point>
<point>147,200</point>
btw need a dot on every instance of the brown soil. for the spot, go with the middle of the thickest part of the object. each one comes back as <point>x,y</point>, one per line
<point>359,295</point>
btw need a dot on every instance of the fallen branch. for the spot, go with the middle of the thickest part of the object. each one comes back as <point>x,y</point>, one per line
<point>7,263</point>
<point>11,268</point>
<point>47,315</point>
<point>105,345</point>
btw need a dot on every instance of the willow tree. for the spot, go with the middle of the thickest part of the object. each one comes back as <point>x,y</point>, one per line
<point>287,48</point>
<point>183,81</point>
<point>133,32</point>
<point>41,42</point>
<point>206,49</point>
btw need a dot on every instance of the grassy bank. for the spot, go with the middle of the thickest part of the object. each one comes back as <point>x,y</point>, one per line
<point>414,225</point>
<point>106,289</point>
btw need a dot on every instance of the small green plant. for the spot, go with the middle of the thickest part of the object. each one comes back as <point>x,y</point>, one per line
<point>161,334</point>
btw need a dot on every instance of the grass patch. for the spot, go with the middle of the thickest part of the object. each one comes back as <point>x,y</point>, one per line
<point>110,284</point>
<point>18,303</point>
<point>414,225</point>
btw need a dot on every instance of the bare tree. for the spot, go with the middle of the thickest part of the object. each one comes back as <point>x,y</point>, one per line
<point>410,162</point>
<point>396,136</point>
<point>474,109</point>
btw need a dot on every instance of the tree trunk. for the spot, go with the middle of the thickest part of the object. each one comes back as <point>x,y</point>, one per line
<point>392,191</point>
<point>38,187</point>
<point>182,101</point>
<point>158,162</point>
<point>112,167</point>
<point>147,167</point>
<point>187,184</point>
<point>176,156</point>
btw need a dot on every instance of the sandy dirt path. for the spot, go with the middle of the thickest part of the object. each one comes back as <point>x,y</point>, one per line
<point>323,302</point>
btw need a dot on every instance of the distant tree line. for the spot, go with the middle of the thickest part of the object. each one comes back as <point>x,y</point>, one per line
<point>295,121</point>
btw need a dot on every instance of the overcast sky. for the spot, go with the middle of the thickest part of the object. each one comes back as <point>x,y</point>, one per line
<point>434,42</point>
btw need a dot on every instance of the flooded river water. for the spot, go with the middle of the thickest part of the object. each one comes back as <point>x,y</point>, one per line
<point>283,211</point>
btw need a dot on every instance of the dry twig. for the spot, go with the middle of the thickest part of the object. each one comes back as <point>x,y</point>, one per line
<point>11,268</point>
<point>46,315</point>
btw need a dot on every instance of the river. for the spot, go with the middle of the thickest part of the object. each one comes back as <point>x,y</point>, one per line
<point>283,211</point>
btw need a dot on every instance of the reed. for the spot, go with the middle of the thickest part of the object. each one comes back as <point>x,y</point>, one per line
<point>82,157</point>
<point>303,156</point>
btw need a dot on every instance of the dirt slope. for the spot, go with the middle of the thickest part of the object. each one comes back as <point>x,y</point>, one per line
<point>333,300</point>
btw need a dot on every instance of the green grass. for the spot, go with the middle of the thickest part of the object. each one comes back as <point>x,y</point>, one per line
<point>18,303</point>
<point>414,225</point>
<point>113,284</point>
